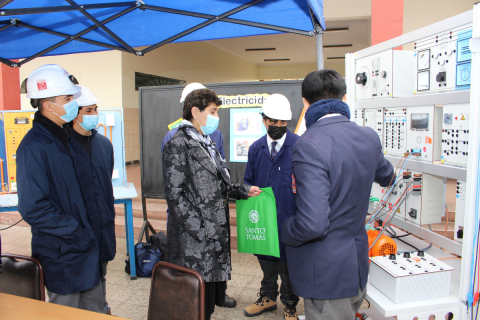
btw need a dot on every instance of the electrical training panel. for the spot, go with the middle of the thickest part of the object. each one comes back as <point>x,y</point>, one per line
<point>374,119</point>
<point>110,124</point>
<point>424,129</point>
<point>386,74</point>
<point>443,61</point>
<point>14,125</point>
<point>425,204</point>
<point>394,138</point>
<point>360,117</point>
<point>455,134</point>
<point>410,277</point>
<point>460,210</point>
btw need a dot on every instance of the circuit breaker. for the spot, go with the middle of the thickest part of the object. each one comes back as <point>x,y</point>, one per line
<point>424,128</point>
<point>455,134</point>
<point>425,203</point>
<point>442,62</point>
<point>385,75</point>
<point>374,119</point>
<point>14,125</point>
<point>360,117</point>
<point>394,137</point>
<point>460,209</point>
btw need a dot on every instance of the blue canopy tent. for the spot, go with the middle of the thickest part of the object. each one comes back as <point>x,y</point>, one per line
<point>30,29</point>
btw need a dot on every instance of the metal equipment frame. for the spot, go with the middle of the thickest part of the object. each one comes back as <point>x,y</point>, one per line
<point>471,174</point>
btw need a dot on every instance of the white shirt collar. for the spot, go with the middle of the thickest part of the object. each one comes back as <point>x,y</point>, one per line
<point>330,115</point>
<point>279,144</point>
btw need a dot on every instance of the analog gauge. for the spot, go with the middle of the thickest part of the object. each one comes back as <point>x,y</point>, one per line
<point>423,81</point>
<point>423,60</point>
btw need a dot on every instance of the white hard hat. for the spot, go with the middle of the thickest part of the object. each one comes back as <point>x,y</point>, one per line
<point>85,97</point>
<point>277,107</point>
<point>50,80</point>
<point>190,88</point>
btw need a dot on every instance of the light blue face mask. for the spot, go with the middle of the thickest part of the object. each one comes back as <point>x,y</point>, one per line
<point>211,125</point>
<point>90,121</point>
<point>71,109</point>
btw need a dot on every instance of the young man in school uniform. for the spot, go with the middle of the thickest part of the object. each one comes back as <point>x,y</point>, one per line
<point>270,165</point>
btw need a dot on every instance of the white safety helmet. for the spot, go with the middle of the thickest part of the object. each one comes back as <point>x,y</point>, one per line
<point>277,107</point>
<point>50,80</point>
<point>190,88</point>
<point>85,97</point>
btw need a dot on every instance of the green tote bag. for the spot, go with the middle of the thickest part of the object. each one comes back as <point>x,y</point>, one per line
<point>257,230</point>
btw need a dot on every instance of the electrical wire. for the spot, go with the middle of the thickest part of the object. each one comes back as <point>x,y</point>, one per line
<point>391,188</point>
<point>12,225</point>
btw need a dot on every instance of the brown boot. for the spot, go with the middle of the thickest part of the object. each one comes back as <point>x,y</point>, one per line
<point>290,311</point>
<point>262,305</point>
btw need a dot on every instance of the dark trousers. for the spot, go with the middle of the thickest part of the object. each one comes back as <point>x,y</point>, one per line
<point>271,270</point>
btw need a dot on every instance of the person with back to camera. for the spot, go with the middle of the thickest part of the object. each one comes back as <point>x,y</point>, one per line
<point>197,186</point>
<point>270,165</point>
<point>334,163</point>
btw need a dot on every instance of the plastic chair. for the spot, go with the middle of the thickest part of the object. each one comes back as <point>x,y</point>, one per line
<point>176,293</point>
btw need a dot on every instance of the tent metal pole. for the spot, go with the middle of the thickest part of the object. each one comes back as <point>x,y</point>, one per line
<point>200,26</point>
<point>3,3</point>
<point>229,20</point>
<point>21,11</point>
<point>81,33</point>
<point>104,28</point>
<point>8,62</point>
<point>5,27</point>
<point>319,40</point>
<point>64,35</point>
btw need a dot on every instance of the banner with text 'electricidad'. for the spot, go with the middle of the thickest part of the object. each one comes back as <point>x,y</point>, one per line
<point>257,230</point>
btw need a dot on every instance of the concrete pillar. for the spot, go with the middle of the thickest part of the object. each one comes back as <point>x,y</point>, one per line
<point>9,88</point>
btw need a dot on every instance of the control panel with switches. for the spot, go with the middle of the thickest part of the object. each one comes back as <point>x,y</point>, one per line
<point>425,203</point>
<point>455,134</point>
<point>394,138</point>
<point>460,209</point>
<point>442,62</point>
<point>424,128</point>
<point>360,117</point>
<point>374,119</point>
<point>385,75</point>
<point>410,276</point>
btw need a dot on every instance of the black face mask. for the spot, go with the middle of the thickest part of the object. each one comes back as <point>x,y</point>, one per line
<point>276,132</point>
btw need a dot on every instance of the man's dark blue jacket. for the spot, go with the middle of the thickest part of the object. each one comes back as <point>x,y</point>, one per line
<point>216,137</point>
<point>264,172</point>
<point>95,176</point>
<point>335,163</point>
<point>50,201</point>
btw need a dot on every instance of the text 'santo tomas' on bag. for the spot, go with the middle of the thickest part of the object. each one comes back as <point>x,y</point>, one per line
<point>257,230</point>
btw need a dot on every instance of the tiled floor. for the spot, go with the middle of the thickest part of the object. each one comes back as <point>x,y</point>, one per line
<point>129,299</point>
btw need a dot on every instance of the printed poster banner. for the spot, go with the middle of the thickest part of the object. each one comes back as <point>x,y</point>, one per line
<point>246,127</point>
<point>257,230</point>
<point>243,101</point>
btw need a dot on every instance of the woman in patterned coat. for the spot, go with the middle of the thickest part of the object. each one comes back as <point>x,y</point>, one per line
<point>197,186</point>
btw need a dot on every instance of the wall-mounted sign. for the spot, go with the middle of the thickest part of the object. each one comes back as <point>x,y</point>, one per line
<point>243,101</point>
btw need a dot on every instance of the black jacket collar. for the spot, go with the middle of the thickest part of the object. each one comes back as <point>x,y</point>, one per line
<point>61,133</point>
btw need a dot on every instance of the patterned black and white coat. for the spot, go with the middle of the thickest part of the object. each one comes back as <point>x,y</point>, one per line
<point>198,229</point>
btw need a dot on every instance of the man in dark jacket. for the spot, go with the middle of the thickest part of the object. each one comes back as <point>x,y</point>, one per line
<point>94,165</point>
<point>335,163</point>
<point>270,165</point>
<point>50,197</point>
